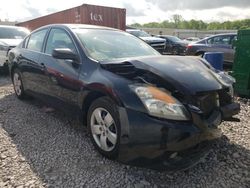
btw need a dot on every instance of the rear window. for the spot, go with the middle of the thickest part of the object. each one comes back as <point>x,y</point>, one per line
<point>13,32</point>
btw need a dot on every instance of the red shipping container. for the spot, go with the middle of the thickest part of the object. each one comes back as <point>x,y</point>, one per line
<point>84,14</point>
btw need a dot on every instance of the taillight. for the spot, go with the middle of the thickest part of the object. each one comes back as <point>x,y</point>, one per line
<point>189,46</point>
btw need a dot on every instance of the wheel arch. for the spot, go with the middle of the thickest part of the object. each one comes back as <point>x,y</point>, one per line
<point>200,52</point>
<point>13,67</point>
<point>90,98</point>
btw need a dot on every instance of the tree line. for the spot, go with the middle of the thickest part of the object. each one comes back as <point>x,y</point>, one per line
<point>177,22</point>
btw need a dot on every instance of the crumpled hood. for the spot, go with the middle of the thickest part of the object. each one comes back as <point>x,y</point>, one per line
<point>10,42</point>
<point>152,39</point>
<point>188,74</point>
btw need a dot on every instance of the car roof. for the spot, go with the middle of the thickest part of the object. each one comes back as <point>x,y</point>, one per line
<point>78,26</point>
<point>222,34</point>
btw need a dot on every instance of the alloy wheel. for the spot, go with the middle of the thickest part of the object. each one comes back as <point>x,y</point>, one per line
<point>103,129</point>
<point>17,84</point>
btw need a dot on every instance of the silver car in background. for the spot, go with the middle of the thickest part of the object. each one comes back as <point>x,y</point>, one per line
<point>10,37</point>
<point>216,43</point>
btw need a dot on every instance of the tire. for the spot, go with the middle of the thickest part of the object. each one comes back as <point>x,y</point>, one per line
<point>201,54</point>
<point>104,127</point>
<point>175,51</point>
<point>18,84</point>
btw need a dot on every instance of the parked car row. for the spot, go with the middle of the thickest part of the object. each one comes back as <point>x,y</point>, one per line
<point>165,44</point>
<point>192,45</point>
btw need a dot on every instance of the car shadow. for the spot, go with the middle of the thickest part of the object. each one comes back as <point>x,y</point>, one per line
<point>58,149</point>
<point>4,79</point>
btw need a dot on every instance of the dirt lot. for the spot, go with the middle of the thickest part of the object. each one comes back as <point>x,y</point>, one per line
<point>41,149</point>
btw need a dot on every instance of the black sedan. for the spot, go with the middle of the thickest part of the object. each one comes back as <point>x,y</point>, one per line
<point>174,45</point>
<point>137,104</point>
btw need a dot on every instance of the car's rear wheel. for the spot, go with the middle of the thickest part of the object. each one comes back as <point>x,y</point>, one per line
<point>104,126</point>
<point>18,84</point>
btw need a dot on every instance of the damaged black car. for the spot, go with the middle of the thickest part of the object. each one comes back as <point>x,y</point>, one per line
<point>139,106</point>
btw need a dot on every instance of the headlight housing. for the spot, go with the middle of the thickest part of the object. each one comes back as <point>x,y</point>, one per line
<point>160,103</point>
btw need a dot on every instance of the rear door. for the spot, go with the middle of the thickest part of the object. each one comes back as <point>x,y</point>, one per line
<point>62,74</point>
<point>28,59</point>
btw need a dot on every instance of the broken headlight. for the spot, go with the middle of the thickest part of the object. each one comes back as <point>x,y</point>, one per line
<point>226,80</point>
<point>160,103</point>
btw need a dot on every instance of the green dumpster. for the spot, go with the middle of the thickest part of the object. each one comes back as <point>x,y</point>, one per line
<point>241,65</point>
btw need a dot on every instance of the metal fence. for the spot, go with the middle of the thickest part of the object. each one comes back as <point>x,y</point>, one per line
<point>184,33</point>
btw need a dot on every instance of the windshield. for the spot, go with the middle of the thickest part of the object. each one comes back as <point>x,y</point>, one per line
<point>139,33</point>
<point>13,32</point>
<point>109,44</point>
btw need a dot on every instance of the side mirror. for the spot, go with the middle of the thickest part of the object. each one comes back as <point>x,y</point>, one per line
<point>64,53</point>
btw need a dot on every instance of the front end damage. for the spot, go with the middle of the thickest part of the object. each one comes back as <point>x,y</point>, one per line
<point>161,143</point>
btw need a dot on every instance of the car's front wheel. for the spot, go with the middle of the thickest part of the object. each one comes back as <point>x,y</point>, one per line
<point>104,126</point>
<point>18,84</point>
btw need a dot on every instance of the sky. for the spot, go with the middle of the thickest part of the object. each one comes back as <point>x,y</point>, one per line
<point>138,11</point>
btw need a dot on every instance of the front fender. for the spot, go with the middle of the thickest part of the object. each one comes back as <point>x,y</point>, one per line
<point>105,83</point>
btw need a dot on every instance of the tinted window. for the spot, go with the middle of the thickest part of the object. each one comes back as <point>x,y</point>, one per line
<point>36,40</point>
<point>58,38</point>
<point>13,32</point>
<point>109,44</point>
<point>219,40</point>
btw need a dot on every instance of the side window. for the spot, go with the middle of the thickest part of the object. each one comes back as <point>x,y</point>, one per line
<point>36,40</point>
<point>210,41</point>
<point>219,40</point>
<point>58,38</point>
<point>226,40</point>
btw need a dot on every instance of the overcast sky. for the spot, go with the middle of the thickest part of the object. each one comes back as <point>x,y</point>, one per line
<point>138,11</point>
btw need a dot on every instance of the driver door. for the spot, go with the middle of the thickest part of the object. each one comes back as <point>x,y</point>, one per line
<point>62,74</point>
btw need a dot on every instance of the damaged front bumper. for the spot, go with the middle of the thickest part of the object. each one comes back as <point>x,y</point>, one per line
<point>169,145</point>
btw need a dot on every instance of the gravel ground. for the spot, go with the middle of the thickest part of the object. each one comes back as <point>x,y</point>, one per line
<point>48,149</point>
